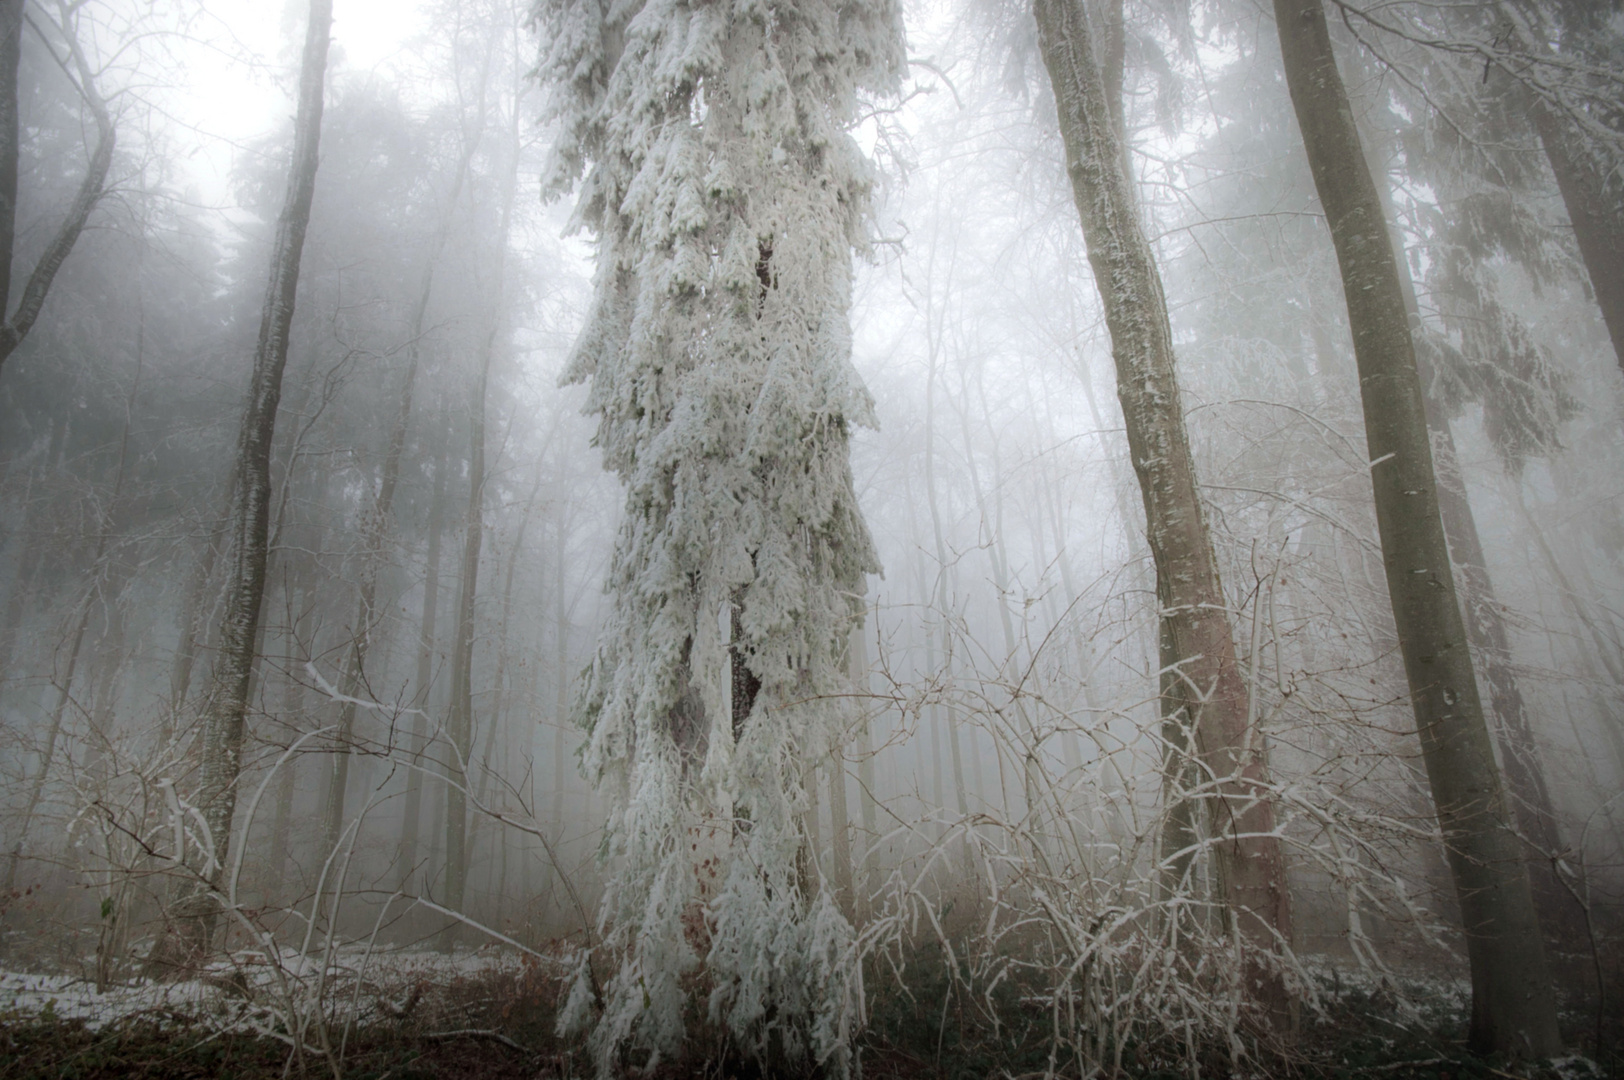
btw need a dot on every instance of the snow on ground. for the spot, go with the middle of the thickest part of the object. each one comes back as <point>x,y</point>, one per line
<point>237,990</point>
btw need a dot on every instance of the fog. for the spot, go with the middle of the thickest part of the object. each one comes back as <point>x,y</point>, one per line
<point>721,507</point>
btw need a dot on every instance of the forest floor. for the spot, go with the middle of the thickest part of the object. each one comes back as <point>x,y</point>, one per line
<point>490,1015</point>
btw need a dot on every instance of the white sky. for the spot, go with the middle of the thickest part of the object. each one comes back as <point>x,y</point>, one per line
<point>231,77</point>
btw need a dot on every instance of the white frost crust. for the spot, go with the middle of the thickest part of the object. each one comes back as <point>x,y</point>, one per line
<point>708,143</point>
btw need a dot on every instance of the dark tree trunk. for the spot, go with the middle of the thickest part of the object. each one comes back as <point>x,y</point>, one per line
<point>250,514</point>
<point>375,529</point>
<point>410,828</point>
<point>461,717</point>
<point>22,320</point>
<point>1595,205</point>
<point>11,40</point>
<point>1512,1006</point>
<point>1252,866</point>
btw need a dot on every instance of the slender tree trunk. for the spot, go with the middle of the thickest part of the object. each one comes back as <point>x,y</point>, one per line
<point>85,199</point>
<point>421,696</point>
<point>1252,866</point>
<point>250,518</point>
<point>376,527</point>
<point>460,717</point>
<point>1592,192</point>
<point>858,657</point>
<point>461,726</point>
<point>101,581</point>
<point>1513,1010</point>
<point>11,47</point>
<point>1486,631</point>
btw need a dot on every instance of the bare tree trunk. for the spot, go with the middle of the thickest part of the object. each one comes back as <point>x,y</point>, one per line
<point>84,200</point>
<point>421,698</point>
<point>102,581</point>
<point>11,48</point>
<point>1486,631</point>
<point>1592,191</point>
<point>250,518</point>
<point>376,527</point>
<point>1252,866</point>
<point>461,717</point>
<point>858,659</point>
<point>1513,1010</point>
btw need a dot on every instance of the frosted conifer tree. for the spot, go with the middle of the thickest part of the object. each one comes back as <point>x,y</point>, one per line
<point>710,146</point>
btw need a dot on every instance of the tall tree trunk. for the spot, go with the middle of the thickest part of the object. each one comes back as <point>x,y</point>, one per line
<point>866,779</point>
<point>421,698</point>
<point>1513,1010</point>
<point>11,49</point>
<point>102,581</point>
<point>1532,806</point>
<point>1592,192</point>
<point>250,517</point>
<point>376,527</point>
<point>1252,866</point>
<point>22,320</point>
<point>461,718</point>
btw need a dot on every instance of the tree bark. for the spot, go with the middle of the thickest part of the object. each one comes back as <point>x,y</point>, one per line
<point>461,718</point>
<point>84,200</point>
<point>1598,221</point>
<point>250,517</point>
<point>1252,866</point>
<point>1592,194</point>
<point>1513,1010</point>
<point>11,42</point>
<point>376,527</point>
<point>425,662</point>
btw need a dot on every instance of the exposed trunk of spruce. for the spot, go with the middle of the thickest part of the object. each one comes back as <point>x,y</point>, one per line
<point>859,670</point>
<point>1532,806</point>
<point>422,687</point>
<point>227,708</point>
<point>11,42</point>
<point>1512,1006</point>
<point>1595,205</point>
<point>939,616</point>
<point>561,701</point>
<point>1252,866</point>
<point>840,835</point>
<point>293,707</point>
<point>194,615</point>
<point>497,731</point>
<point>461,718</point>
<point>376,526</point>
<point>103,582</point>
<point>38,285</point>
<point>1592,193</point>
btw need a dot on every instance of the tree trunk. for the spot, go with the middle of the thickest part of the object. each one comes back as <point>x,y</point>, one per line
<point>461,719</point>
<point>421,702</point>
<point>1192,599</point>
<point>250,517</point>
<point>1593,202</point>
<point>11,48</point>
<point>1486,631</point>
<point>376,527</point>
<point>84,200</point>
<point>859,670</point>
<point>1513,1010</point>
<point>1592,193</point>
